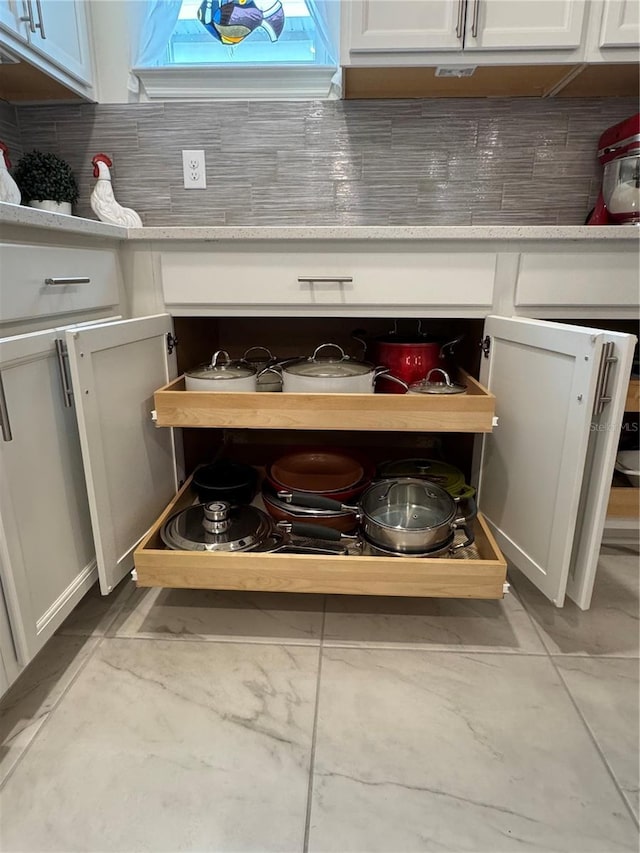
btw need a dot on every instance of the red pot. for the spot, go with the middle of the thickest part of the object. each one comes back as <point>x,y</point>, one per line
<point>408,357</point>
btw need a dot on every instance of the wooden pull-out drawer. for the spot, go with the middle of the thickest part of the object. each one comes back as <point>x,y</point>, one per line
<point>470,412</point>
<point>442,577</point>
<point>624,502</point>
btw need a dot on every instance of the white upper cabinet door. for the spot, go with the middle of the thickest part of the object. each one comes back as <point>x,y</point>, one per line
<point>620,24</point>
<point>391,25</point>
<point>47,553</point>
<point>10,18</point>
<point>544,377</point>
<point>129,464</point>
<point>524,24</point>
<point>62,36</point>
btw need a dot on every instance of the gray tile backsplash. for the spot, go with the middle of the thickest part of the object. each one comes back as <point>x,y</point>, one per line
<point>9,131</point>
<point>440,161</point>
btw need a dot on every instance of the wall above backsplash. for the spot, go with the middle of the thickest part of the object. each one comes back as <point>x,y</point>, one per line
<point>413,162</point>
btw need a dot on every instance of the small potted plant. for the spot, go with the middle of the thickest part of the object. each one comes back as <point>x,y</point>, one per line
<point>46,182</point>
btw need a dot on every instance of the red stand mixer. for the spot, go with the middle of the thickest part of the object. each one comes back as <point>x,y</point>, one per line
<point>619,153</point>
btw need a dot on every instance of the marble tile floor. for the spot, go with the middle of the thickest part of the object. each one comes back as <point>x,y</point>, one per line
<point>179,720</point>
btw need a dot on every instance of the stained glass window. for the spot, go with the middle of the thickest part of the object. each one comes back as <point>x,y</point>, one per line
<point>244,32</point>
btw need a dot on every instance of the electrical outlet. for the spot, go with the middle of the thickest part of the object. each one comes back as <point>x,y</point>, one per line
<point>193,170</point>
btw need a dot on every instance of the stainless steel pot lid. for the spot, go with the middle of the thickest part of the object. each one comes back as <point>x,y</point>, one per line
<point>222,367</point>
<point>216,526</point>
<point>328,368</point>
<point>433,386</point>
<point>408,504</point>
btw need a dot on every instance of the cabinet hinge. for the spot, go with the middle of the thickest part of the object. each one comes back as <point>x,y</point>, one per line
<point>602,385</point>
<point>486,345</point>
<point>172,343</point>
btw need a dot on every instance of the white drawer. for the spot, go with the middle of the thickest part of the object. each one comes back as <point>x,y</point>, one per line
<point>401,276</point>
<point>24,271</point>
<point>572,278</point>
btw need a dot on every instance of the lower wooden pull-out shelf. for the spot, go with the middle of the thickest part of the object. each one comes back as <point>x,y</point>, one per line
<point>441,577</point>
<point>470,412</point>
<point>624,502</point>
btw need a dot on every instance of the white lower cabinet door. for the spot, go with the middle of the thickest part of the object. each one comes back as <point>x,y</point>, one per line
<point>130,465</point>
<point>48,556</point>
<point>534,467</point>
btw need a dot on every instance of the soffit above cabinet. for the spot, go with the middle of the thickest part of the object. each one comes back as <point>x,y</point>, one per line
<point>494,82</point>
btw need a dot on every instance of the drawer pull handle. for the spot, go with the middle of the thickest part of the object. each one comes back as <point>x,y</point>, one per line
<point>5,426</point>
<point>311,279</point>
<point>61,282</point>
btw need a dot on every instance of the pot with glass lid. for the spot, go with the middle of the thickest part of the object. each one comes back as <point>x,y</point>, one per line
<point>222,374</point>
<point>405,514</point>
<point>329,374</point>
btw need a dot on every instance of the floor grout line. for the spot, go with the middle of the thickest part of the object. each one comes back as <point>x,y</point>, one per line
<point>594,740</point>
<point>52,710</point>
<point>314,734</point>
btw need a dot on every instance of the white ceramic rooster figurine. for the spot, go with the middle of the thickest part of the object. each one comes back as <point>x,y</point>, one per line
<point>103,201</point>
<point>8,188</point>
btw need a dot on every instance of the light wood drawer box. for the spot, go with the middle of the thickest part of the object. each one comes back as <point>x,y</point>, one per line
<point>470,412</point>
<point>555,279</point>
<point>441,577</point>
<point>279,275</point>
<point>24,270</point>
<point>624,502</point>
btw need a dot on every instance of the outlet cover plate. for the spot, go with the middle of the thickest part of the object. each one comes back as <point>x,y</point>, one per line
<point>193,170</point>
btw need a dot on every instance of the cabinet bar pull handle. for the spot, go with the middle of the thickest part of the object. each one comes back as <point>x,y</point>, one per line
<point>474,20</point>
<point>310,279</point>
<point>5,426</point>
<point>67,391</point>
<point>602,395</point>
<point>29,15</point>
<point>61,282</point>
<point>460,21</point>
<point>40,24</point>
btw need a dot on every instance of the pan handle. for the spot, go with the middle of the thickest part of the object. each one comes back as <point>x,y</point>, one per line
<point>313,501</point>
<point>469,540</point>
<point>473,508</point>
<point>315,531</point>
<point>360,336</point>
<point>384,372</point>
<point>446,350</point>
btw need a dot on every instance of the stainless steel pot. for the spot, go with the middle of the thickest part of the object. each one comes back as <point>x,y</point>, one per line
<point>261,358</point>
<point>445,550</point>
<point>329,375</point>
<point>404,515</point>
<point>222,374</point>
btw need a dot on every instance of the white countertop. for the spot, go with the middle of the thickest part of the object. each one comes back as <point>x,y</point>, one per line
<point>389,232</point>
<point>17,214</point>
<point>12,214</point>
